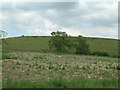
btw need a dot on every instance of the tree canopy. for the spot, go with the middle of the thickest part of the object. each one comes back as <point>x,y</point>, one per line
<point>2,33</point>
<point>61,42</point>
<point>59,33</point>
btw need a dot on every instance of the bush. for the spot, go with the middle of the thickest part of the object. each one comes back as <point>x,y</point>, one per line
<point>59,42</point>
<point>22,35</point>
<point>82,46</point>
<point>62,43</point>
<point>100,53</point>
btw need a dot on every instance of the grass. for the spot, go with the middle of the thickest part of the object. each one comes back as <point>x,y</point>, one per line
<point>41,44</point>
<point>109,46</point>
<point>27,44</point>
<point>61,83</point>
<point>31,70</point>
<point>29,63</point>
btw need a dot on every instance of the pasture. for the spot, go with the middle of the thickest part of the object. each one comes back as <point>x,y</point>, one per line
<point>41,44</point>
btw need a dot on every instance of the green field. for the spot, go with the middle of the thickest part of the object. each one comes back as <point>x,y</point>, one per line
<point>44,70</point>
<point>41,44</point>
<point>27,62</point>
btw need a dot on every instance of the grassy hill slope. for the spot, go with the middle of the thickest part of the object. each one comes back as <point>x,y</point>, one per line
<point>41,43</point>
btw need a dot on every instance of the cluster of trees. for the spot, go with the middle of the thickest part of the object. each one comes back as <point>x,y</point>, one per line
<point>61,42</point>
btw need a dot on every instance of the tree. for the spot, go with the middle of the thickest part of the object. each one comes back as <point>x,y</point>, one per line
<point>22,35</point>
<point>2,33</point>
<point>82,47</point>
<point>59,33</point>
<point>59,41</point>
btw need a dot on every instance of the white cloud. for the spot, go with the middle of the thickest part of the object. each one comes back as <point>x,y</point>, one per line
<point>88,19</point>
<point>46,29</point>
<point>52,12</point>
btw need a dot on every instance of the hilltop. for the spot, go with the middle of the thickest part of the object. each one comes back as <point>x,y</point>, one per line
<point>29,63</point>
<point>41,44</point>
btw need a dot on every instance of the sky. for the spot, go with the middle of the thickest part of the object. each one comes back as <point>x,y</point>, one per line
<point>89,19</point>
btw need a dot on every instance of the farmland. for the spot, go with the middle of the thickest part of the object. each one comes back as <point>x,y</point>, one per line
<point>27,62</point>
<point>52,70</point>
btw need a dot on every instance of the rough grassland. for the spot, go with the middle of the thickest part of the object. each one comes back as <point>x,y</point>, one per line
<point>109,46</point>
<point>44,70</point>
<point>27,62</point>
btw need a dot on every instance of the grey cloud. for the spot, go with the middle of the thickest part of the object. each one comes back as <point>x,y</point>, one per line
<point>69,15</point>
<point>26,6</point>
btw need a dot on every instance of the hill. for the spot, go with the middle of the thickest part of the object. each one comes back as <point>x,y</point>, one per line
<point>41,44</point>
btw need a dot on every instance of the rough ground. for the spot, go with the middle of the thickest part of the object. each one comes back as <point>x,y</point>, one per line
<point>34,66</point>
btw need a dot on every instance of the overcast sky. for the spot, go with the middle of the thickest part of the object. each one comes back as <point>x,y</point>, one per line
<point>91,19</point>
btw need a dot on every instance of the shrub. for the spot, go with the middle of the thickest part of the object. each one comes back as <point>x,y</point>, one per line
<point>59,42</point>
<point>22,35</point>
<point>82,46</point>
<point>98,53</point>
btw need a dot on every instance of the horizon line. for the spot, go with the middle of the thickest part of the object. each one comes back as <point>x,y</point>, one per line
<point>51,36</point>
